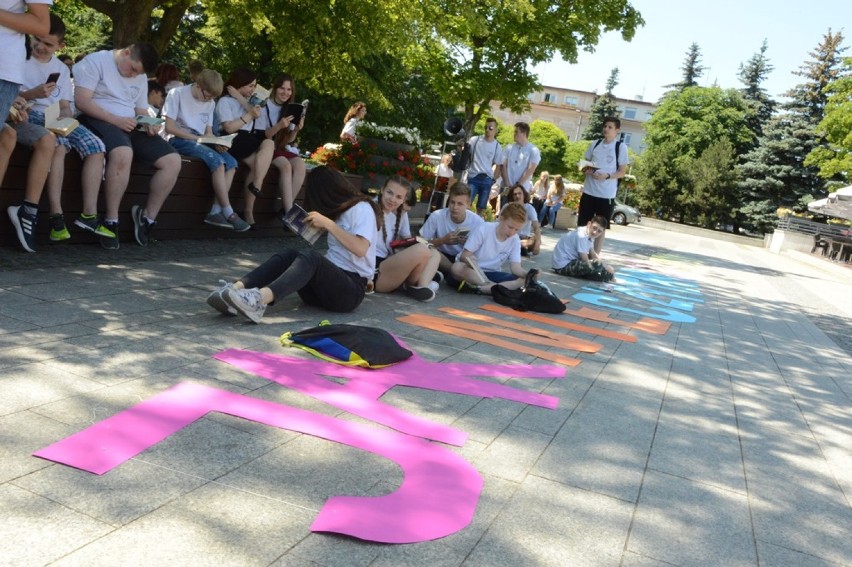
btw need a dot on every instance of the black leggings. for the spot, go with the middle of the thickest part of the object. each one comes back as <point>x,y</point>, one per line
<point>318,281</point>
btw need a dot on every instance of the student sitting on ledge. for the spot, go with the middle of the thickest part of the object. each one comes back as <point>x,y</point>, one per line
<point>111,89</point>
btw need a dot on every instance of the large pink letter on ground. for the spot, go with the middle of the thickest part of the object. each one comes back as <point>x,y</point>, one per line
<point>439,490</point>
<point>360,395</point>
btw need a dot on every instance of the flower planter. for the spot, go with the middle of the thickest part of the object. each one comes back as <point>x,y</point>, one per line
<point>566,219</point>
<point>386,147</point>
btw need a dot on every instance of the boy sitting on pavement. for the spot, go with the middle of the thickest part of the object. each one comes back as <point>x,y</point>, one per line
<point>487,249</point>
<point>575,256</point>
<point>111,90</point>
<point>90,148</point>
<point>448,229</point>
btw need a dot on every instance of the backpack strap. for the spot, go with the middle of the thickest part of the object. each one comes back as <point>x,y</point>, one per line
<point>617,150</point>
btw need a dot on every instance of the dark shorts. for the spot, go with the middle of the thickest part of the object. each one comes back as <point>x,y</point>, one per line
<point>499,277</point>
<point>245,144</point>
<point>591,206</point>
<point>145,148</point>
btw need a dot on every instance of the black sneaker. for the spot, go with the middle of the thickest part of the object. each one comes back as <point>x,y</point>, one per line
<point>24,224</point>
<point>141,227</point>
<point>109,242</point>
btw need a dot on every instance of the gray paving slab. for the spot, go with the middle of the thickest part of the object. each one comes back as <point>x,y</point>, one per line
<point>724,441</point>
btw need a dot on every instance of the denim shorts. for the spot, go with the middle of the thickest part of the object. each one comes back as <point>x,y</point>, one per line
<point>213,159</point>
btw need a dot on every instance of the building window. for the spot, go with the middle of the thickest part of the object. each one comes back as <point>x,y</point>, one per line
<point>630,113</point>
<point>549,97</point>
<point>627,138</point>
<point>572,100</point>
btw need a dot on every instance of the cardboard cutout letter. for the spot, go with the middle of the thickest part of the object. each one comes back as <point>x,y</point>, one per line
<point>437,497</point>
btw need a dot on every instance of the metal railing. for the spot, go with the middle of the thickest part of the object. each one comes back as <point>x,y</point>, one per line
<point>791,223</point>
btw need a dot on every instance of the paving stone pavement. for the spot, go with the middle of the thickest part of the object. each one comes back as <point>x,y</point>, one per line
<point>725,441</point>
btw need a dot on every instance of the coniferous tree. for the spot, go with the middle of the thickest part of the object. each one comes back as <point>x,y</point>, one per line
<point>692,69</point>
<point>604,106</point>
<point>752,74</point>
<point>775,174</point>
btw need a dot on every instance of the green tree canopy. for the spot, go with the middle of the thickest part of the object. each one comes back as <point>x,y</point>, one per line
<point>752,74</point>
<point>835,159</point>
<point>691,68</point>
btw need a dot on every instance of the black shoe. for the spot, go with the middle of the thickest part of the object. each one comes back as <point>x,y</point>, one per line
<point>109,242</point>
<point>438,277</point>
<point>141,227</point>
<point>254,189</point>
<point>24,224</point>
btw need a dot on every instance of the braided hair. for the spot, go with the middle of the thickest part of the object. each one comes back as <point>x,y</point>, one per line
<point>410,200</point>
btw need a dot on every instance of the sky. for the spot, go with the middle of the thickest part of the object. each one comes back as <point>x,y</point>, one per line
<point>728,33</point>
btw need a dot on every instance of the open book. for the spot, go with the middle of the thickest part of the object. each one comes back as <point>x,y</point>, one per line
<point>218,140</point>
<point>584,163</point>
<point>259,97</point>
<point>471,261</point>
<point>59,126</point>
<point>142,120</point>
<point>296,220</point>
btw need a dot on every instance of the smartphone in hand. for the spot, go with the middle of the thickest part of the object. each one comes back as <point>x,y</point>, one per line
<point>52,78</point>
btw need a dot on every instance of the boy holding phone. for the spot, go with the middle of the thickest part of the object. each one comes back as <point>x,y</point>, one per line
<point>42,94</point>
<point>448,229</point>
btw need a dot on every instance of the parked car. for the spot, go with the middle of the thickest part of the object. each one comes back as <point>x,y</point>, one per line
<point>625,214</point>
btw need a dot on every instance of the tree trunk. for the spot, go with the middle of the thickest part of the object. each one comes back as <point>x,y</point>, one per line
<point>132,22</point>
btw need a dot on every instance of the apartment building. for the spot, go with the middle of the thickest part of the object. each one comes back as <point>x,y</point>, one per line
<point>568,109</point>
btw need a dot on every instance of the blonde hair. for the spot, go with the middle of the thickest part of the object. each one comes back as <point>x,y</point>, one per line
<point>210,81</point>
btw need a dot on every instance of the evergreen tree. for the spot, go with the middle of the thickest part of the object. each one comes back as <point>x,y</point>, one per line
<point>775,174</point>
<point>604,106</point>
<point>692,69</point>
<point>835,160</point>
<point>752,74</point>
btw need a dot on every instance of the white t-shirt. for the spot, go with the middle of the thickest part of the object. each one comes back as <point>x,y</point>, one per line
<point>36,73</point>
<point>440,224</point>
<point>190,113</point>
<point>526,229</point>
<point>228,108</point>
<point>386,236</point>
<point>360,221</point>
<point>117,95</point>
<point>269,115</point>
<point>604,157</point>
<point>350,127</point>
<point>489,252</point>
<point>485,155</point>
<point>12,42</point>
<point>570,246</point>
<point>517,159</point>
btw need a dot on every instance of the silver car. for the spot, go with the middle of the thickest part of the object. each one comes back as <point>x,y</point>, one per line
<point>625,214</point>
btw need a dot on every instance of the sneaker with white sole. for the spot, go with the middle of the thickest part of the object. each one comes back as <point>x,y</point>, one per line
<point>24,226</point>
<point>217,301</point>
<point>247,302</point>
<point>438,278</point>
<point>424,294</point>
<point>92,223</point>
<point>217,219</point>
<point>141,227</point>
<point>237,223</point>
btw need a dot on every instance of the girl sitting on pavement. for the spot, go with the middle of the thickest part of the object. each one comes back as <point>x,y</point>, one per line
<point>574,254</point>
<point>189,113</point>
<point>412,268</point>
<point>336,281</point>
<point>487,249</point>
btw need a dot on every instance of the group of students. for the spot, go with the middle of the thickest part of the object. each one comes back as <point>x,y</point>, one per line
<point>110,90</point>
<point>370,249</point>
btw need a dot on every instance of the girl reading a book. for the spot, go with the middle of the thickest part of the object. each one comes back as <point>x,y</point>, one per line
<point>336,281</point>
<point>236,114</point>
<point>400,260</point>
<point>282,129</point>
<point>530,232</point>
<point>189,122</point>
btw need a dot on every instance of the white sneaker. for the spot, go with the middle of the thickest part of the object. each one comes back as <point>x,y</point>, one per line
<point>247,302</point>
<point>434,286</point>
<point>217,301</point>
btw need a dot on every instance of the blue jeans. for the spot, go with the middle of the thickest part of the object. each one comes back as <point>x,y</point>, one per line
<point>550,213</point>
<point>480,190</point>
<point>8,92</point>
<point>211,158</point>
